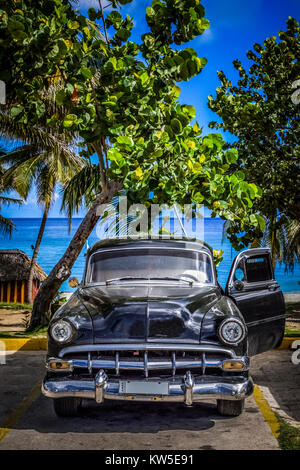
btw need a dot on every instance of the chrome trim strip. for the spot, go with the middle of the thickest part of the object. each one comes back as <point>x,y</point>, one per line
<point>146,347</point>
<point>265,320</point>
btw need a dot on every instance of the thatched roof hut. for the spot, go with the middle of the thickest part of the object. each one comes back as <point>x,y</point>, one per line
<point>15,265</point>
<point>14,273</point>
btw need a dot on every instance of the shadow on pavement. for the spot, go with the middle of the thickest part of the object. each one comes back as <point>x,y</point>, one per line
<point>115,417</point>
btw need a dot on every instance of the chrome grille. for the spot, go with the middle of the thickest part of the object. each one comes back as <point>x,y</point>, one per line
<point>146,358</point>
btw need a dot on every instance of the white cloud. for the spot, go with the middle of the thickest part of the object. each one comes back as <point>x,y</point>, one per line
<point>207,36</point>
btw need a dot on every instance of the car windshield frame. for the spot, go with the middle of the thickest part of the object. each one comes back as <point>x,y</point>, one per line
<point>142,281</point>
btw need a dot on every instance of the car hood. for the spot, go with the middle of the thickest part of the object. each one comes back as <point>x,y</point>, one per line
<point>148,313</point>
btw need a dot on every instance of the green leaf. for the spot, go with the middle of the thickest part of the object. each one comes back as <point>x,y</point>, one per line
<point>114,156</point>
<point>189,110</point>
<point>261,222</point>
<point>231,155</point>
<point>139,173</point>
<point>60,97</point>
<point>176,126</point>
<point>150,11</point>
<point>176,91</point>
<point>73,24</point>
<point>86,72</point>
<point>125,140</point>
<point>69,120</point>
<point>240,175</point>
<point>16,110</point>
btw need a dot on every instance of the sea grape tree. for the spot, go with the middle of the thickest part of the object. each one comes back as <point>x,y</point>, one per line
<point>122,100</point>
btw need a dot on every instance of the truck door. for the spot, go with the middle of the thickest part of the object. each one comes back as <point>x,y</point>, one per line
<point>252,285</point>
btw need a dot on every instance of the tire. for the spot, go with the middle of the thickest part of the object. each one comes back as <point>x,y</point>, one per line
<point>230,407</point>
<point>66,407</point>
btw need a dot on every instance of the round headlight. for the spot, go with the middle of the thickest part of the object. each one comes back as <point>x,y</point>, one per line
<point>232,331</point>
<point>61,331</point>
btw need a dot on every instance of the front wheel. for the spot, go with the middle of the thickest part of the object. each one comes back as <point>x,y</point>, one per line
<point>230,407</point>
<point>67,407</point>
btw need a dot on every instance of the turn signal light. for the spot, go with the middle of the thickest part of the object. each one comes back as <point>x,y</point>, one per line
<point>59,365</point>
<point>233,365</point>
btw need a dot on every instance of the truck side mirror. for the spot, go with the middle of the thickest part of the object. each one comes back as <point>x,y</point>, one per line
<point>238,285</point>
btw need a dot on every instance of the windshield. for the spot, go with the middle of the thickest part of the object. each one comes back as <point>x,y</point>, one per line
<point>149,263</point>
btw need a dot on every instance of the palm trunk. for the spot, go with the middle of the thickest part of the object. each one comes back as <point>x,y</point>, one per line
<point>35,253</point>
<point>62,269</point>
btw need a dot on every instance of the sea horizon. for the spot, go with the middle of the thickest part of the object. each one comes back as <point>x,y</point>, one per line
<point>57,237</point>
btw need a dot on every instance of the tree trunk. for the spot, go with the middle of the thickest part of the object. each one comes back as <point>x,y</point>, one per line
<point>35,253</point>
<point>62,269</point>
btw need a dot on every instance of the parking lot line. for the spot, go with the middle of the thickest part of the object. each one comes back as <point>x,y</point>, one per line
<point>266,411</point>
<point>20,410</point>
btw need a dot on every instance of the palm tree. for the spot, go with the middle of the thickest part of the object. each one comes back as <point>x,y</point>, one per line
<point>29,167</point>
<point>282,236</point>
<point>6,225</point>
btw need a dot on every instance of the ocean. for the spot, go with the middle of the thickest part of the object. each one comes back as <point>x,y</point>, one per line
<point>57,237</point>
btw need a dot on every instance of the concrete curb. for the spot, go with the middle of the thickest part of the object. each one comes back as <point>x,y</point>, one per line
<point>38,344</point>
<point>288,341</point>
<point>23,344</point>
<point>266,411</point>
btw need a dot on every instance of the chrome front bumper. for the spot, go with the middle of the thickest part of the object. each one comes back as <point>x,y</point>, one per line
<point>186,390</point>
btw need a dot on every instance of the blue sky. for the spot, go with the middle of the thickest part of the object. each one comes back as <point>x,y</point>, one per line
<point>235,26</point>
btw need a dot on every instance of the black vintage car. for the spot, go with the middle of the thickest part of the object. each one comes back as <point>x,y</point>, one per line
<point>150,322</point>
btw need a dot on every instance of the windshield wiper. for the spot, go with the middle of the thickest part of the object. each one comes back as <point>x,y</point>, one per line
<point>173,279</point>
<point>132,278</point>
<point>126,278</point>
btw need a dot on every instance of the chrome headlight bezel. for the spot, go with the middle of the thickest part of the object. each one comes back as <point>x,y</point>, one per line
<point>224,323</point>
<point>64,324</point>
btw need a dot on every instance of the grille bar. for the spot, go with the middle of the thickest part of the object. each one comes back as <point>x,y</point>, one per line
<point>206,348</point>
<point>173,363</point>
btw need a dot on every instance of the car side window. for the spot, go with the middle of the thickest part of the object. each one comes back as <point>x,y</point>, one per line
<point>258,269</point>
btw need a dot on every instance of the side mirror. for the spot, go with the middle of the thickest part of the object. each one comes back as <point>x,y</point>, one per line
<point>238,285</point>
<point>73,282</point>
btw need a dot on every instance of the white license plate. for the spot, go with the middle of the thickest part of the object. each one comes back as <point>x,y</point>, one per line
<point>135,387</point>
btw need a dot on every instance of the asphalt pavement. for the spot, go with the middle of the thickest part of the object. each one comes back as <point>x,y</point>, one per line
<point>28,421</point>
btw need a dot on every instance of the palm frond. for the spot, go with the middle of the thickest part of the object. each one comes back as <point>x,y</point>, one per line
<point>10,200</point>
<point>6,226</point>
<point>292,245</point>
<point>117,226</point>
<point>81,190</point>
<point>18,155</point>
<point>39,138</point>
<point>22,175</point>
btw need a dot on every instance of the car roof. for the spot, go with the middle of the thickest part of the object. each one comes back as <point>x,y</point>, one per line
<point>184,243</point>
